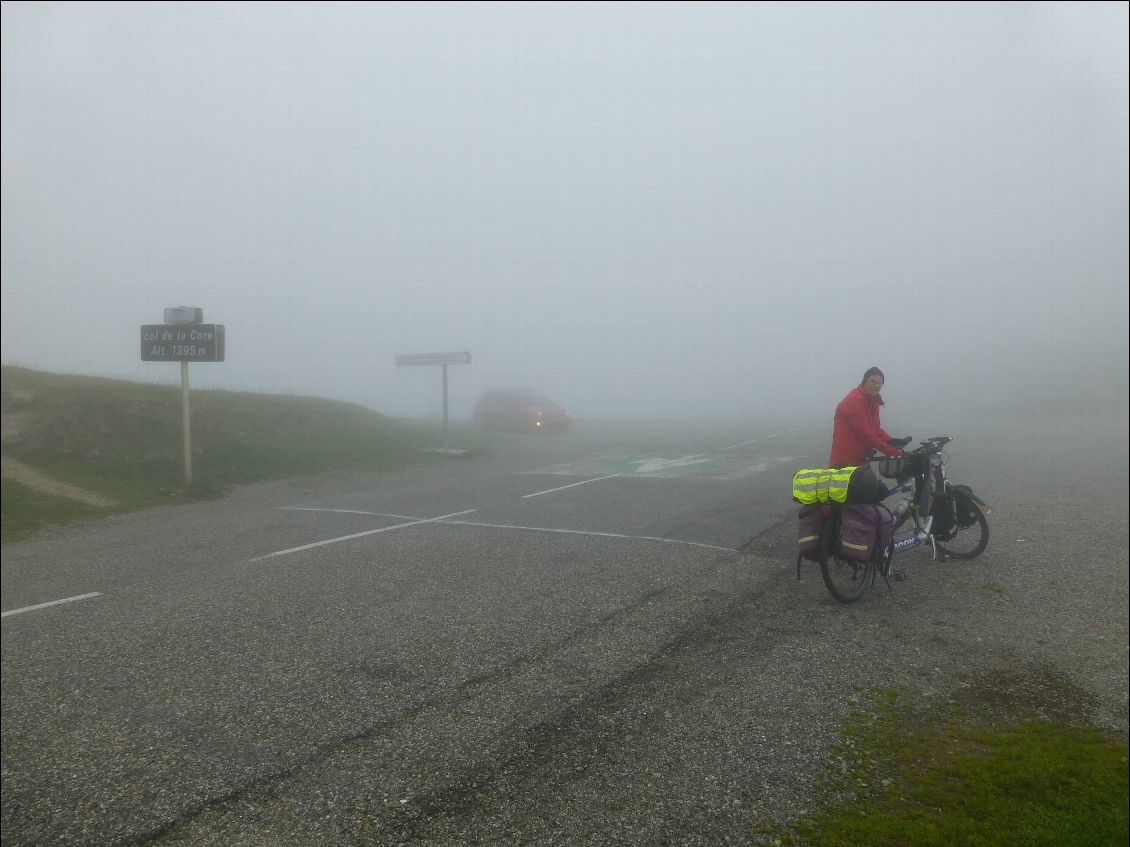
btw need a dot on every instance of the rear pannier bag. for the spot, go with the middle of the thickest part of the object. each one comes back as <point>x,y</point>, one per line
<point>809,521</point>
<point>865,531</point>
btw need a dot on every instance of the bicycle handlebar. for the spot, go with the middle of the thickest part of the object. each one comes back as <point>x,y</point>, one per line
<point>931,445</point>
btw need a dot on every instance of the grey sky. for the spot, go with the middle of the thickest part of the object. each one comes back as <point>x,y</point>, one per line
<point>637,209</point>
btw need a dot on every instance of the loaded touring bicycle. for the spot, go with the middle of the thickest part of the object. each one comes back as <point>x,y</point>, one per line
<point>844,526</point>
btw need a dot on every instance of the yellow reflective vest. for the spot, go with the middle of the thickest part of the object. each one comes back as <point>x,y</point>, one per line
<point>821,485</point>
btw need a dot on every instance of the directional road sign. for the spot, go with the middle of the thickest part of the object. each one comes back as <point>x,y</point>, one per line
<point>414,359</point>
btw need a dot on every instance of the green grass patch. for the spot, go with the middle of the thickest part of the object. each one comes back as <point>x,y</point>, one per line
<point>124,440</point>
<point>949,784</point>
<point>27,510</point>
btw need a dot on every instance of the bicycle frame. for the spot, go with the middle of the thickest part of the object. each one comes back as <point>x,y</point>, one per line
<point>924,482</point>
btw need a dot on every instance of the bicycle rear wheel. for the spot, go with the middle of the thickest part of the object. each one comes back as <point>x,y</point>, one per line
<point>972,536</point>
<point>846,579</point>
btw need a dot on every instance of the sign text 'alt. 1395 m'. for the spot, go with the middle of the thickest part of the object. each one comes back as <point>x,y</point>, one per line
<point>182,343</point>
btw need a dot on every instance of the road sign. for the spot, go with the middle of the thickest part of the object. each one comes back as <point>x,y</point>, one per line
<point>409,360</point>
<point>184,315</point>
<point>415,359</point>
<point>182,343</point>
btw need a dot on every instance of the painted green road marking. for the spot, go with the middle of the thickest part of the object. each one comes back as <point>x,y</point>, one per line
<point>660,467</point>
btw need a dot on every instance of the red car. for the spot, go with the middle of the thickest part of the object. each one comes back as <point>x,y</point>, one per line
<point>519,410</point>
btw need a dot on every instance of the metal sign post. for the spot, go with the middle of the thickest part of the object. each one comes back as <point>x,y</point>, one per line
<point>183,338</point>
<point>443,359</point>
<point>186,422</point>
<point>445,407</point>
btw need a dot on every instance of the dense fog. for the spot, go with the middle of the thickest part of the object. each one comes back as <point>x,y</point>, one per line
<point>640,210</point>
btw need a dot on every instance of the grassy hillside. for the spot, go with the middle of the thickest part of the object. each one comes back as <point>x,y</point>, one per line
<point>121,442</point>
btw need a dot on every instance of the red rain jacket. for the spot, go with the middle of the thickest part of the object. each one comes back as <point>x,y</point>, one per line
<point>856,430</point>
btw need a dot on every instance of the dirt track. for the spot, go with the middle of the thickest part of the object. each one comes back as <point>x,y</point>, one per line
<point>11,468</point>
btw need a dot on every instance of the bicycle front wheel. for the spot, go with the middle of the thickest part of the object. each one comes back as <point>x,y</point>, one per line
<point>972,535</point>
<point>845,578</point>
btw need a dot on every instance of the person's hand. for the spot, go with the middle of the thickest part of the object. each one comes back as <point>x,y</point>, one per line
<point>899,442</point>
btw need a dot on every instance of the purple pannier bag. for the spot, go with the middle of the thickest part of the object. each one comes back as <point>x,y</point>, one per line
<point>809,521</point>
<point>865,530</point>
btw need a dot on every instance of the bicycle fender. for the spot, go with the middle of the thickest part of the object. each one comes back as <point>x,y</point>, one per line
<point>968,492</point>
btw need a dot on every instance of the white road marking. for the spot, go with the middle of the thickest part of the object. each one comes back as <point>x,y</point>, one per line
<point>571,485</point>
<point>361,535</point>
<point>504,526</point>
<point>349,512</point>
<point>598,534</point>
<point>52,603</point>
<point>644,466</point>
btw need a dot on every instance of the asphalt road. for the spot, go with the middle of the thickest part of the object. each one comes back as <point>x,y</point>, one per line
<point>583,639</point>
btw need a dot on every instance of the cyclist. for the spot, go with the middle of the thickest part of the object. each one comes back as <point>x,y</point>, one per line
<point>856,430</point>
